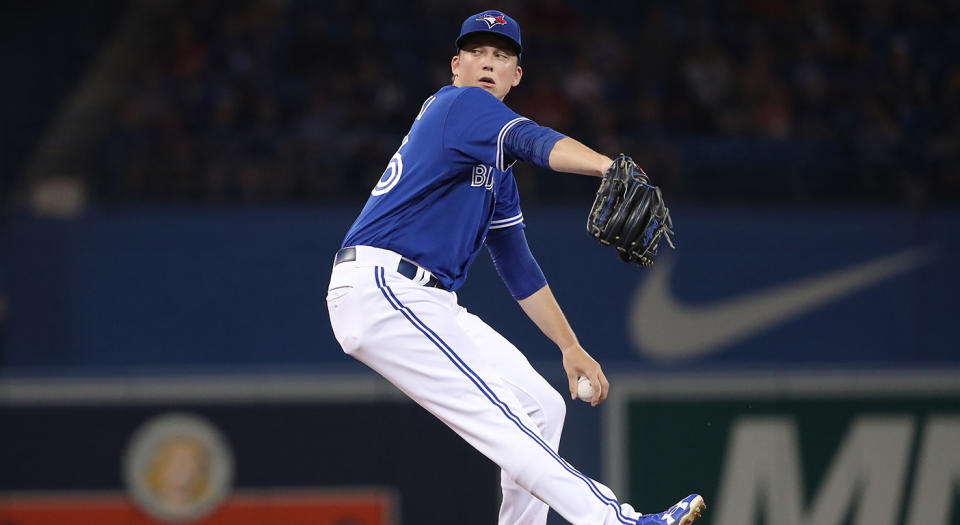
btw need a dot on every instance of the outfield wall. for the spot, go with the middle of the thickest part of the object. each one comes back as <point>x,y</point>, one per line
<point>169,290</point>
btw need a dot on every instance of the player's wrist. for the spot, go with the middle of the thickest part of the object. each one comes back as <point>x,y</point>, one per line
<point>603,164</point>
<point>567,348</point>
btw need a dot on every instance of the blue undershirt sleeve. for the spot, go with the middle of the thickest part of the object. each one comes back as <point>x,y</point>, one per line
<point>531,142</point>
<point>514,262</point>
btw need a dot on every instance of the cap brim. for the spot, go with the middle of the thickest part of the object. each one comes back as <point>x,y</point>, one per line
<point>513,44</point>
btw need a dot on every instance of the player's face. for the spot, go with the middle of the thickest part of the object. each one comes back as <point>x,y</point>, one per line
<point>487,62</point>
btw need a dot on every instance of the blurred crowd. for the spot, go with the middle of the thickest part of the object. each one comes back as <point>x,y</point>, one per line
<point>296,101</point>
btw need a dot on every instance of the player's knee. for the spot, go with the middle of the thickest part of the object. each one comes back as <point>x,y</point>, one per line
<point>348,338</point>
<point>350,344</point>
<point>525,469</point>
<point>345,329</point>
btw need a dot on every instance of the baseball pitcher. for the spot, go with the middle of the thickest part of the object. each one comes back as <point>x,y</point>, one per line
<point>446,193</point>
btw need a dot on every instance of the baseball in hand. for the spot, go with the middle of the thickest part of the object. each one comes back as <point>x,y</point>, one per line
<point>585,389</point>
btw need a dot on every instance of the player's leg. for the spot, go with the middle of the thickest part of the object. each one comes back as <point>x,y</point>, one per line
<point>409,334</point>
<point>539,400</point>
<point>547,408</point>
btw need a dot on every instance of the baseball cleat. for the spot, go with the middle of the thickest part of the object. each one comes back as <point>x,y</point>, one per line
<point>683,513</point>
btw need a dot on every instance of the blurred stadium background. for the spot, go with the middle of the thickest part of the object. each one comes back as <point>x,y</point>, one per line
<point>175,177</point>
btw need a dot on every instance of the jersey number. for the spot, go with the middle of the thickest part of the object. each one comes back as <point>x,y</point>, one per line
<point>391,175</point>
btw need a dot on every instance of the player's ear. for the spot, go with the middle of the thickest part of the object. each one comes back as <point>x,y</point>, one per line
<point>454,66</point>
<point>517,75</point>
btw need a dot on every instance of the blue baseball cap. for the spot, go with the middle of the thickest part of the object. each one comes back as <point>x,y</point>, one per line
<point>495,22</point>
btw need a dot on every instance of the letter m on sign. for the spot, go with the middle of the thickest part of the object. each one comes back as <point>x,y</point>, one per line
<point>763,473</point>
<point>800,449</point>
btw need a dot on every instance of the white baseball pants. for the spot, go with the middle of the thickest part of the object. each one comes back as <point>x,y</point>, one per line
<point>474,380</point>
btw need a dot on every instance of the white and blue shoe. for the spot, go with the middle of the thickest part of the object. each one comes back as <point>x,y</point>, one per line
<point>683,513</point>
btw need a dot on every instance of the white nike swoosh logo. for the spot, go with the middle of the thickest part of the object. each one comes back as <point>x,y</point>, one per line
<point>663,328</point>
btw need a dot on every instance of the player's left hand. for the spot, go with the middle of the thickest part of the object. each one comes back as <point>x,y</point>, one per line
<point>577,362</point>
<point>629,213</point>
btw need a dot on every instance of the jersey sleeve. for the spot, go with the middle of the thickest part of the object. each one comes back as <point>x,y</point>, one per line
<point>476,127</point>
<point>506,207</point>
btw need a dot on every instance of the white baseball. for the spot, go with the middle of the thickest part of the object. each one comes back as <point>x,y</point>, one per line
<point>585,389</point>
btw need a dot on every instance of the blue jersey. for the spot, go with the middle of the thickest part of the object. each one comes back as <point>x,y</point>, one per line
<point>451,181</point>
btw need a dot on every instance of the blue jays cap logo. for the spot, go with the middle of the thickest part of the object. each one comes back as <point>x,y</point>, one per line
<point>492,20</point>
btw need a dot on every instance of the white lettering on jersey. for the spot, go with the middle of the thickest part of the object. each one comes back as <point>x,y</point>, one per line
<point>482,177</point>
<point>391,175</point>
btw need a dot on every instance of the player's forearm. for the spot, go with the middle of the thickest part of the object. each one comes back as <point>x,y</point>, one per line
<point>570,156</point>
<point>543,310</point>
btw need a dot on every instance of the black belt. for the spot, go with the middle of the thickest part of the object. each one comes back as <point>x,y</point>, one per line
<point>406,268</point>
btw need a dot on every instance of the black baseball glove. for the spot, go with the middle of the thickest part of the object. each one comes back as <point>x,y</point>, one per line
<point>629,213</point>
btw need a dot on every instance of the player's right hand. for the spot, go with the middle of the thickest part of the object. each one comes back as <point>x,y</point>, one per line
<point>577,362</point>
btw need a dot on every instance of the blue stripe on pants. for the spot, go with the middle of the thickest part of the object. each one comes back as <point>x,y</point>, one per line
<point>391,298</point>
